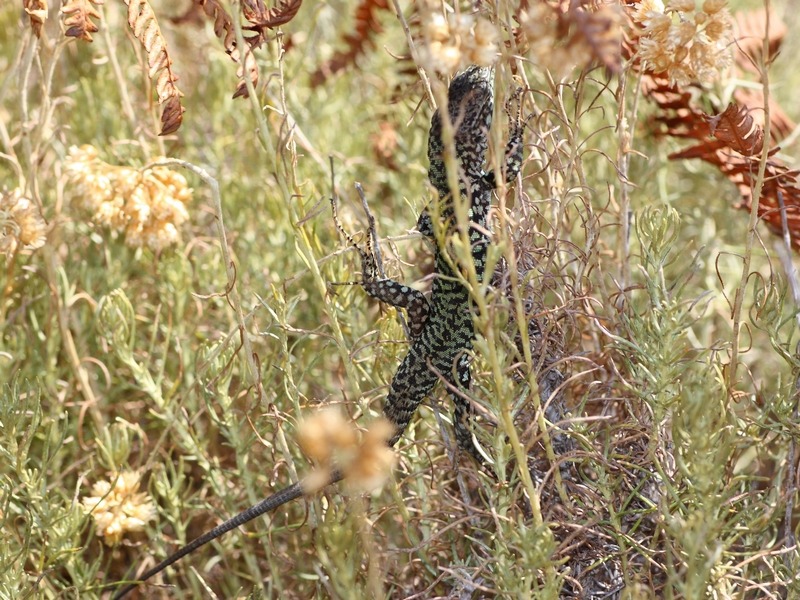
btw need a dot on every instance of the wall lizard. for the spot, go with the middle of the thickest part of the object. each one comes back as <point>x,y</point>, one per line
<point>441,328</point>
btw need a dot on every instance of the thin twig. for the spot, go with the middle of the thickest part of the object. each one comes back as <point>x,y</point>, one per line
<point>754,218</point>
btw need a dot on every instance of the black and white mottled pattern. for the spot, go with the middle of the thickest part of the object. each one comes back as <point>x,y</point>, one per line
<point>442,328</point>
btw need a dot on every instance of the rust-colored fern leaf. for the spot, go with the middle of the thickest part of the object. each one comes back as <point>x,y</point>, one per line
<point>144,25</point>
<point>261,18</point>
<point>78,15</point>
<point>735,151</point>
<point>602,32</point>
<point>223,29</point>
<point>779,205</point>
<point>736,129</point>
<point>781,125</point>
<point>366,25</point>
<point>750,27</point>
<point>733,142</point>
<point>37,13</point>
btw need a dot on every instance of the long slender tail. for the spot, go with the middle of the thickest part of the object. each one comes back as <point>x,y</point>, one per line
<point>268,504</point>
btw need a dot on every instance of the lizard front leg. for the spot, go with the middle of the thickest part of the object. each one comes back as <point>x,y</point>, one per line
<point>389,291</point>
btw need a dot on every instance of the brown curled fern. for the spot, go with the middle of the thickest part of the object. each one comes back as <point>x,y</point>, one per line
<point>78,15</point>
<point>261,19</point>
<point>224,30</point>
<point>732,141</point>
<point>735,128</point>
<point>144,25</point>
<point>366,25</point>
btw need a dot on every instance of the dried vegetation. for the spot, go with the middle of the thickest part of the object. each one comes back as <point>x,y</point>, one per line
<point>164,348</point>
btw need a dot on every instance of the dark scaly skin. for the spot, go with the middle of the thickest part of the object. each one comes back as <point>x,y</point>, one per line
<point>441,329</point>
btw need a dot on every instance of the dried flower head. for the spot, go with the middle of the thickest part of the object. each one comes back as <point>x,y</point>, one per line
<point>451,44</point>
<point>372,465</point>
<point>37,13</point>
<point>118,507</point>
<point>325,434</point>
<point>333,442</point>
<point>146,206</point>
<point>21,224</point>
<point>685,42</point>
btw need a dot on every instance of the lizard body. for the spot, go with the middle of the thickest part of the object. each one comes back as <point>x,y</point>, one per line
<point>441,328</point>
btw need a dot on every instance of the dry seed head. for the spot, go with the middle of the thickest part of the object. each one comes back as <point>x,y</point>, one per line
<point>331,441</point>
<point>325,434</point>
<point>316,480</point>
<point>685,43</point>
<point>437,29</point>
<point>714,6</point>
<point>680,6</point>
<point>21,223</point>
<point>681,34</point>
<point>647,10</point>
<point>658,26</point>
<point>117,507</point>
<point>146,206</point>
<point>461,40</point>
<point>373,463</point>
<point>718,28</point>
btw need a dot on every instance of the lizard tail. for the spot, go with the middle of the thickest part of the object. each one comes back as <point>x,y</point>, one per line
<point>268,504</point>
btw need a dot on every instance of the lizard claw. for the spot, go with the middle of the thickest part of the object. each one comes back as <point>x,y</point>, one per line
<point>369,264</point>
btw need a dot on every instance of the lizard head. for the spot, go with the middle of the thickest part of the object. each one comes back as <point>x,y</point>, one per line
<point>469,106</point>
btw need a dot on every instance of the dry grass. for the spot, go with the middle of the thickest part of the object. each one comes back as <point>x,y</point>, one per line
<point>642,423</point>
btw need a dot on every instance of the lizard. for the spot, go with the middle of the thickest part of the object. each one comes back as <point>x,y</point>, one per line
<point>441,328</point>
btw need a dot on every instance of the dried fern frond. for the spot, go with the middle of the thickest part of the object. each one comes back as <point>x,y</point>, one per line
<point>78,15</point>
<point>602,32</point>
<point>144,25</point>
<point>366,25</point>
<point>781,125</point>
<point>735,151</point>
<point>733,141</point>
<point>750,27</point>
<point>223,29</point>
<point>736,129</point>
<point>261,18</point>
<point>255,12</point>
<point>37,13</point>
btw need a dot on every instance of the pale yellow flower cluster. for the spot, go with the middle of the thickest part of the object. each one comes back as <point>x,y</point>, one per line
<point>686,43</point>
<point>331,441</point>
<point>147,206</point>
<point>21,223</point>
<point>118,507</point>
<point>461,40</point>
